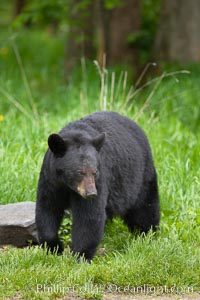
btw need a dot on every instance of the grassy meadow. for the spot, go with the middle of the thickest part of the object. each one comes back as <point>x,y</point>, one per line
<point>35,101</point>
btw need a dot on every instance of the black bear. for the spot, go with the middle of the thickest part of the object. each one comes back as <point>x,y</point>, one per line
<point>99,167</point>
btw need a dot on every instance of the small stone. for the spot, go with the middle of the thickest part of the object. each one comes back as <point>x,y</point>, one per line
<point>17,224</point>
<point>102,251</point>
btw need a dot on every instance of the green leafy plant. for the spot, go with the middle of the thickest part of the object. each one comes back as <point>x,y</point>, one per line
<point>65,230</point>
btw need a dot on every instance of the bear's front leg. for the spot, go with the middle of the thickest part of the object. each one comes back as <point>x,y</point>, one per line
<point>87,229</point>
<point>48,219</point>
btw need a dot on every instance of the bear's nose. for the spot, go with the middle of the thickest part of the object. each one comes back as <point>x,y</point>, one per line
<point>91,194</point>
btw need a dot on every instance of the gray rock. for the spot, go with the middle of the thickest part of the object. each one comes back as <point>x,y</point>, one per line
<point>17,224</point>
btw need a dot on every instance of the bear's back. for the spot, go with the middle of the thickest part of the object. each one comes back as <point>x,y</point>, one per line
<point>116,127</point>
<point>122,134</point>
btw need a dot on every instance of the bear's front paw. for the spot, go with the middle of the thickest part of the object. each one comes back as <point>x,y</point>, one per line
<point>53,246</point>
<point>87,256</point>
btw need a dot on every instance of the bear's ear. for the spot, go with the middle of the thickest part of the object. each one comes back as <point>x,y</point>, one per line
<point>98,141</point>
<point>56,144</point>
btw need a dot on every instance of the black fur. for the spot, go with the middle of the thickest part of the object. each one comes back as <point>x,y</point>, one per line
<point>118,150</point>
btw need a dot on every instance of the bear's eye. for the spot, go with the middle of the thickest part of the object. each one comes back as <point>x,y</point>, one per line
<point>81,173</point>
<point>95,173</point>
<point>59,172</point>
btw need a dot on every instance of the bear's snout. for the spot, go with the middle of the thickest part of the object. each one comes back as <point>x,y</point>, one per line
<point>91,193</point>
<point>87,188</point>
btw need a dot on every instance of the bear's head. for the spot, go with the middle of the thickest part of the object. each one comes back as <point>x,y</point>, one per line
<point>75,162</point>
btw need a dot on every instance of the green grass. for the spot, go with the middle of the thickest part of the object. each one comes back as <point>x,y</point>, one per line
<point>171,257</point>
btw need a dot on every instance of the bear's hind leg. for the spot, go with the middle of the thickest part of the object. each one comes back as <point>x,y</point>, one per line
<point>143,218</point>
<point>146,213</point>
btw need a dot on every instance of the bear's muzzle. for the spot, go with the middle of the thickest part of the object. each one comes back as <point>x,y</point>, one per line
<point>87,188</point>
